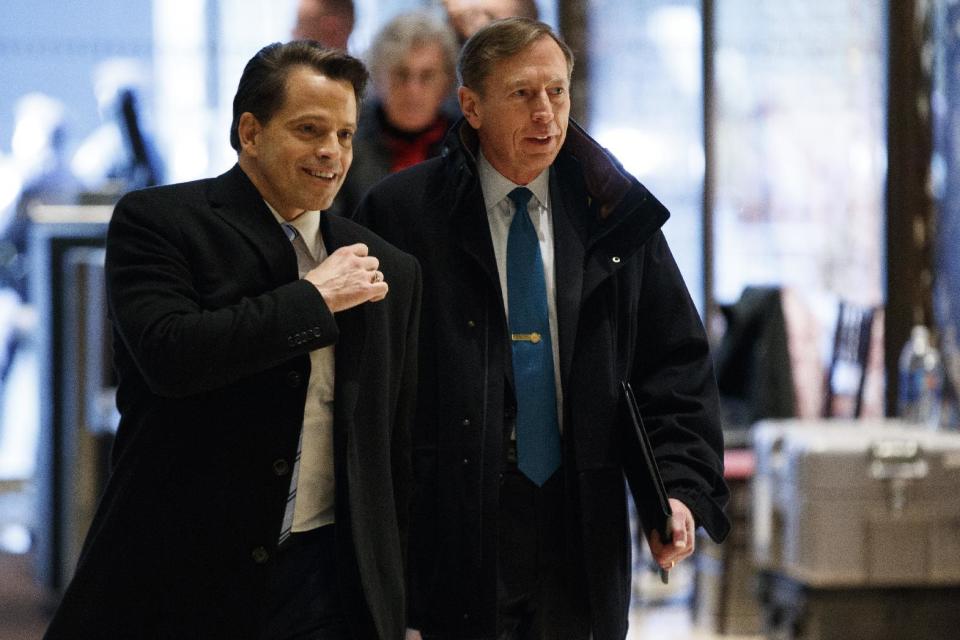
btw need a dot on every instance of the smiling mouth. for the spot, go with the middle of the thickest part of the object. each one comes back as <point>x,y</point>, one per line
<point>321,174</point>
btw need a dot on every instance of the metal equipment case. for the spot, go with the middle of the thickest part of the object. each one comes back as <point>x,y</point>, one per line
<point>856,529</point>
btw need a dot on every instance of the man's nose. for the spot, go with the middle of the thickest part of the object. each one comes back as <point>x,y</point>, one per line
<point>328,146</point>
<point>542,110</point>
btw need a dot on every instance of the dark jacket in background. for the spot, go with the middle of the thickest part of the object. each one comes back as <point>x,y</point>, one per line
<point>753,362</point>
<point>373,155</point>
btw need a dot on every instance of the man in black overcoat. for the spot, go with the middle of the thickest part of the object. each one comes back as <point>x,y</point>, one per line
<point>519,525</point>
<point>266,356</point>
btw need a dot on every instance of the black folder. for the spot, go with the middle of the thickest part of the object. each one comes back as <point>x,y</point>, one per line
<point>642,473</point>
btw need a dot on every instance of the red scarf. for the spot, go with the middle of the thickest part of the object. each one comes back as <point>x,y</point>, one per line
<point>408,150</point>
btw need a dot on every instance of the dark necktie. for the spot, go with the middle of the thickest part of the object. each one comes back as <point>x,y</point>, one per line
<point>305,263</point>
<point>538,434</point>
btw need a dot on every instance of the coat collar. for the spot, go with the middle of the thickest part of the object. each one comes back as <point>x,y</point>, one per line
<point>236,200</point>
<point>602,216</point>
<point>611,211</point>
<point>606,181</point>
<point>338,232</point>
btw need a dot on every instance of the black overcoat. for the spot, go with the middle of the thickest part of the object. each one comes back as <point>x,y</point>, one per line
<point>213,331</point>
<point>623,313</point>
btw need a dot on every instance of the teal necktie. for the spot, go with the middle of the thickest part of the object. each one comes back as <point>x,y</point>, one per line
<point>538,433</point>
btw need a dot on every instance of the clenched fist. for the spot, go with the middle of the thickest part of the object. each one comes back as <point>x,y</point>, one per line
<point>349,277</point>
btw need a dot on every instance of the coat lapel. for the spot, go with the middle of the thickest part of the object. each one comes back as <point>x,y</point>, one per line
<point>474,233</point>
<point>352,324</point>
<point>234,198</point>
<point>568,267</point>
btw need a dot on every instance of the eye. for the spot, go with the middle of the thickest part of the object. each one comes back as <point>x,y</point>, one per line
<point>521,93</point>
<point>558,91</point>
<point>306,129</point>
<point>346,135</point>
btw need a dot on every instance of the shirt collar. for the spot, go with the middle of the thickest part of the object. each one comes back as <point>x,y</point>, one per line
<point>307,225</point>
<point>496,187</point>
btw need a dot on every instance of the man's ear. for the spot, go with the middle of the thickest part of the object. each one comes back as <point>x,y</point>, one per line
<point>248,129</point>
<point>470,106</point>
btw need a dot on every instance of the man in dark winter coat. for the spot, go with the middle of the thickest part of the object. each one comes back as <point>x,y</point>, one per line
<point>266,355</point>
<point>519,525</point>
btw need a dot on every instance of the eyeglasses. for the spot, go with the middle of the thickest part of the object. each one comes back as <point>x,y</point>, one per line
<point>400,76</point>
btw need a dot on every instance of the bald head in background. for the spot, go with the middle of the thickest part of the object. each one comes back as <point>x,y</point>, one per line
<point>468,16</point>
<point>329,22</point>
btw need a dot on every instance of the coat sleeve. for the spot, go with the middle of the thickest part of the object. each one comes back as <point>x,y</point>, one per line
<point>675,385</point>
<point>182,342</point>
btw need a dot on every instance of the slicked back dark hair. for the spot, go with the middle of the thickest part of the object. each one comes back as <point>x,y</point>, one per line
<point>499,40</point>
<point>262,88</point>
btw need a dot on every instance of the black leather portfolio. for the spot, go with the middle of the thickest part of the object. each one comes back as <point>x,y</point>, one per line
<point>642,473</point>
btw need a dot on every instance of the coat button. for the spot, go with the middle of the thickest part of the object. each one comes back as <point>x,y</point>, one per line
<point>471,324</point>
<point>466,422</point>
<point>259,555</point>
<point>466,461</point>
<point>615,259</point>
<point>293,379</point>
<point>280,467</point>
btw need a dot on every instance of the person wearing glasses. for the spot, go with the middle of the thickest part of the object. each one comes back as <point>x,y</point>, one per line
<point>412,65</point>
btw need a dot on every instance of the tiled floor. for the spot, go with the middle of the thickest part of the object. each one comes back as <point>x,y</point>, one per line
<point>23,608</point>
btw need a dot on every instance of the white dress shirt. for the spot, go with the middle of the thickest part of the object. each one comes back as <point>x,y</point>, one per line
<point>314,504</point>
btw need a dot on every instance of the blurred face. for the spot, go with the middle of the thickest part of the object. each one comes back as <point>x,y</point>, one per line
<point>316,22</point>
<point>522,113</point>
<point>298,159</point>
<point>468,16</point>
<point>413,89</point>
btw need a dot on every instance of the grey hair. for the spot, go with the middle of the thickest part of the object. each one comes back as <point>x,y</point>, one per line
<point>499,40</point>
<point>406,32</point>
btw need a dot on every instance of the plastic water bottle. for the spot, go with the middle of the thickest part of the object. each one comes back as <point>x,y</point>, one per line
<point>921,380</point>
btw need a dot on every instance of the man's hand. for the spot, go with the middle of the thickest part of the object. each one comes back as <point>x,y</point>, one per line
<point>412,634</point>
<point>348,277</point>
<point>667,556</point>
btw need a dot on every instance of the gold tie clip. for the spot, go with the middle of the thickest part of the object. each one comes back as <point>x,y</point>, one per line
<point>527,337</point>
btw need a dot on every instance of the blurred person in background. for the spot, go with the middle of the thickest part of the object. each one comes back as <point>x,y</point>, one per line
<point>119,155</point>
<point>467,16</point>
<point>412,65</point>
<point>39,156</point>
<point>39,147</point>
<point>329,22</point>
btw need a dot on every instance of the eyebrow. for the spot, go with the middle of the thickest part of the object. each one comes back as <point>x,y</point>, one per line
<point>322,119</point>
<point>521,82</point>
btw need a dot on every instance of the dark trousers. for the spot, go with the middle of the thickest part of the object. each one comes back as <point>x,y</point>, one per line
<point>302,600</point>
<point>536,596</point>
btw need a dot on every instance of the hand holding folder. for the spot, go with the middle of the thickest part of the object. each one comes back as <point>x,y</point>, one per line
<point>643,475</point>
